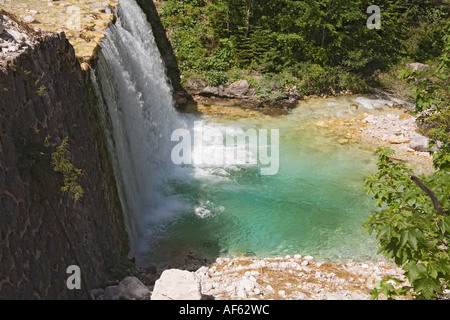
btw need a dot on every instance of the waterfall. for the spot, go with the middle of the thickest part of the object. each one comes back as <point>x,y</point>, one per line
<point>211,207</point>
<point>138,114</point>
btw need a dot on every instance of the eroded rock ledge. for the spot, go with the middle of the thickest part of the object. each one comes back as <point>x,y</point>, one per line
<point>81,20</point>
<point>285,278</point>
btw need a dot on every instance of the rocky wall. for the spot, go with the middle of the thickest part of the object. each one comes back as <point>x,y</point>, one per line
<point>45,94</point>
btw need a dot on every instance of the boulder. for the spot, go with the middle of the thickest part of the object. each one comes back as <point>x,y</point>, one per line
<point>420,143</point>
<point>238,88</point>
<point>195,84</point>
<point>131,288</point>
<point>211,91</point>
<point>29,19</point>
<point>398,139</point>
<point>177,285</point>
<point>111,293</point>
<point>96,293</point>
<point>417,66</point>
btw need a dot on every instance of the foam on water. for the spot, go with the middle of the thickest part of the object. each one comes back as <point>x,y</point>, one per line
<point>314,205</point>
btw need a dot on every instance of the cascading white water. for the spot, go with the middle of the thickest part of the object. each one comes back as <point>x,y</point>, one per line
<point>140,114</point>
<point>314,205</point>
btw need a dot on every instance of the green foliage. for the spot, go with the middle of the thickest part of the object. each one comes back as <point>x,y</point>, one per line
<point>49,165</point>
<point>408,228</point>
<point>412,229</point>
<point>62,165</point>
<point>386,287</point>
<point>433,95</point>
<point>325,44</point>
<point>41,90</point>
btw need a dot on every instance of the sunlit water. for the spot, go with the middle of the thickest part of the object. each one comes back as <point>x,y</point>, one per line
<point>314,205</point>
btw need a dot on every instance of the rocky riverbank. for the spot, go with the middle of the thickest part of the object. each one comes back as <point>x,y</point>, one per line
<point>389,125</point>
<point>288,278</point>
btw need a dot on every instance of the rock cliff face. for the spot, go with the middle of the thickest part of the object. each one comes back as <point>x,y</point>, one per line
<point>181,96</point>
<point>45,94</point>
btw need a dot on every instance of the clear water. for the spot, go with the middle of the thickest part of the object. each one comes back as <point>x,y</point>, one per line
<point>313,206</point>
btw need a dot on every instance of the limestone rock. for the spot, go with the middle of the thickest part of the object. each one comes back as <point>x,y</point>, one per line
<point>417,66</point>
<point>177,285</point>
<point>111,293</point>
<point>195,84</point>
<point>420,143</point>
<point>398,139</point>
<point>238,88</point>
<point>29,19</point>
<point>131,288</point>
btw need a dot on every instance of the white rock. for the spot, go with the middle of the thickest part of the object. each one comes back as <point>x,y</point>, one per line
<point>420,144</point>
<point>247,284</point>
<point>301,296</point>
<point>241,292</point>
<point>202,271</point>
<point>331,296</point>
<point>207,287</point>
<point>331,275</point>
<point>308,258</point>
<point>177,285</point>
<point>231,290</point>
<point>305,263</point>
<point>297,256</point>
<point>29,19</point>
<point>417,66</point>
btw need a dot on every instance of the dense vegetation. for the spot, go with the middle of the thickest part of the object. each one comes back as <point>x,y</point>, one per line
<point>317,46</point>
<point>413,223</point>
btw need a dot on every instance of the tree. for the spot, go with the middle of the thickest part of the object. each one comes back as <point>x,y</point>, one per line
<point>413,223</point>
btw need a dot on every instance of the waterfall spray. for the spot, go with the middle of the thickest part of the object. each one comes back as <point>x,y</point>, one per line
<point>139,117</point>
